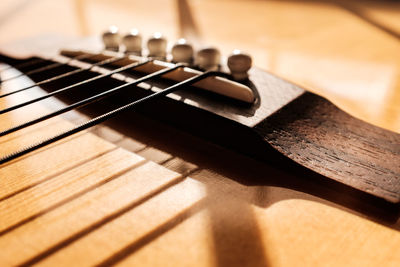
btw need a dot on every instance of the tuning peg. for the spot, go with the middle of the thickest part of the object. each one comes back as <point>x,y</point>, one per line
<point>157,46</point>
<point>133,42</point>
<point>111,38</point>
<point>208,59</point>
<point>239,64</point>
<point>182,52</point>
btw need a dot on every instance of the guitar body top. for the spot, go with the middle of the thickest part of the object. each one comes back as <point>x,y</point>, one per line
<point>91,202</point>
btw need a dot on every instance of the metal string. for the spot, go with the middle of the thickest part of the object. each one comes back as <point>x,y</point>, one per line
<point>48,67</point>
<point>104,117</point>
<point>103,62</point>
<point>23,64</point>
<point>91,99</point>
<point>64,89</point>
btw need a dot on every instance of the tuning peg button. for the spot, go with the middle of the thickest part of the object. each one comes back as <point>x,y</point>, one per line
<point>157,46</point>
<point>112,38</point>
<point>208,59</point>
<point>133,42</point>
<point>182,52</point>
<point>239,64</point>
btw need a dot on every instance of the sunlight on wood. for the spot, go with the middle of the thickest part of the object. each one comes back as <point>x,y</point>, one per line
<point>85,200</point>
<point>268,30</point>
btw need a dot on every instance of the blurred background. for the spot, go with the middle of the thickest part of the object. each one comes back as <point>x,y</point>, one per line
<point>347,51</point>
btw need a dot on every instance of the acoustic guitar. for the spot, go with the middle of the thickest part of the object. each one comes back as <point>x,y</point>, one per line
<point>195,162</point>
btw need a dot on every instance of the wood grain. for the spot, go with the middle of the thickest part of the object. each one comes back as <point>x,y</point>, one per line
<point>316,134</point>
<point>256,216</point>
<point>149,216</point>
<point>306,128</point>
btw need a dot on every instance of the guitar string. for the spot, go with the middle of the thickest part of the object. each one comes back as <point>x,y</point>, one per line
<point>23,64</point>
<point>64,89</point>
<point>45,68</point>
<point>101,63</point>
<point>91,99</point>
<point>111,114</point>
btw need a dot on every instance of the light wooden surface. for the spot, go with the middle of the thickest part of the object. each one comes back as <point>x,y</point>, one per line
<point>318,44</point>
<point>134,212</point>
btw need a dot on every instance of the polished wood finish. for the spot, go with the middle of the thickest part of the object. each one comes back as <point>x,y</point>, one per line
<point>244,221</point>
<point>284,122</point>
